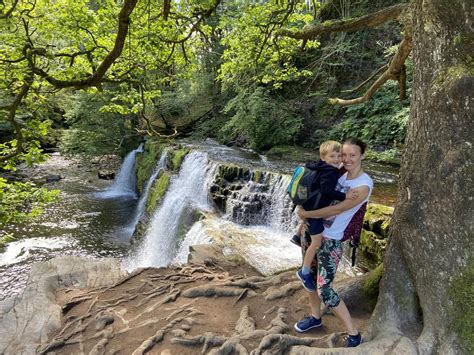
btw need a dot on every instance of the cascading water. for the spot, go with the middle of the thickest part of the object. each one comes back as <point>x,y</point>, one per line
<point>125,183</point>
<point>263,203</point>
<point>187,193</point>
<point>160,166</point>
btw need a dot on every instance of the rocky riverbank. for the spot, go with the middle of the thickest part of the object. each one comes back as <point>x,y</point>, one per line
<point>211,305</point>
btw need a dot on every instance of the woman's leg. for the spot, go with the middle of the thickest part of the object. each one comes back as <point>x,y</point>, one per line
<point>328,260</point>
<point>343,314</point>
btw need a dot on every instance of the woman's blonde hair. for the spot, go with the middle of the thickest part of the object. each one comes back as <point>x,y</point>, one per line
<point>328,147</point>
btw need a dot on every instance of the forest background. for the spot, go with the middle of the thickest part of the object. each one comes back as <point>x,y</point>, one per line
<point>185,69</point>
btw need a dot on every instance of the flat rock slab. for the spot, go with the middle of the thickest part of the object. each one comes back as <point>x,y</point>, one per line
<point>30,317</point>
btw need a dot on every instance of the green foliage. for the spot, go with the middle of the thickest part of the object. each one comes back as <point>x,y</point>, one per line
<point>461,292</point>
<point>381,121</point>
<point>94,131</point>
<point>260,120</point>
<point>252,53</point>
<point>390,156</point>
<point>22,201</point>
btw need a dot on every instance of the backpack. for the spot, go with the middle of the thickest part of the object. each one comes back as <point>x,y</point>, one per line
<point>299,188</point>
<point>354,229</point>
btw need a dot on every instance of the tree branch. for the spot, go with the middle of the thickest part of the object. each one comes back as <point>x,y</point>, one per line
<point>95,78</point>
<point>10,11</point>
<point>395,71</point>
<point>11,118</point>
<point>349,25</point>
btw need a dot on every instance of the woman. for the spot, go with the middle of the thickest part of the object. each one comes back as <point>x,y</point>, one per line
<point>331,249</point>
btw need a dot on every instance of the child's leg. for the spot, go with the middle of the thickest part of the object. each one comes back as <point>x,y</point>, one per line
<point>312,249</point>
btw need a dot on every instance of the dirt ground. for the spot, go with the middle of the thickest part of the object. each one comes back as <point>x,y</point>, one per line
<point>213,307</point>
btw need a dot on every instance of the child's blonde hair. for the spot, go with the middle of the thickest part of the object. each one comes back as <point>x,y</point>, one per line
<point>328,147</point>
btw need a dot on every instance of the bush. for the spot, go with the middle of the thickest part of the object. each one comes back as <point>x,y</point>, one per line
<point>260,120</point>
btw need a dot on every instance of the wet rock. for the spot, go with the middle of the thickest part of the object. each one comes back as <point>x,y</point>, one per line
<point>53,178</point>
<point>106,174</point>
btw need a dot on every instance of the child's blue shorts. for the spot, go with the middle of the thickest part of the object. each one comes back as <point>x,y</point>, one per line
<point>315,226</point>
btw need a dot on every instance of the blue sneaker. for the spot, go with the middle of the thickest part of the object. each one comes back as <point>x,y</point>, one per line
<point>296,240</point>
<point>307,323</point>
<point>354,340</point>
<point>307,281</point>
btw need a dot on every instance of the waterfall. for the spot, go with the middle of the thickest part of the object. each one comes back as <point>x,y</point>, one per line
<point>187,193</point>
<point>160,166</point>
<point>263,203</point>
<point>125,183</point>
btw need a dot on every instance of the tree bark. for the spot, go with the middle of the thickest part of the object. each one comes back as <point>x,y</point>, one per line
<point>432,227</point>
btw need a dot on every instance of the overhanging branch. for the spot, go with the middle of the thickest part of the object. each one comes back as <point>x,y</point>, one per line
<point>95,78</point>
<point>11,118</point>
<point>347,25</point>
<point>395,71</point>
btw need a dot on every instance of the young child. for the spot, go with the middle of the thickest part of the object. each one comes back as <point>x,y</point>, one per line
<point>326,181</point>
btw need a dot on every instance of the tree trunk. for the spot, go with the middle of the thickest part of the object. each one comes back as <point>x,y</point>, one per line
<point>429,260</point>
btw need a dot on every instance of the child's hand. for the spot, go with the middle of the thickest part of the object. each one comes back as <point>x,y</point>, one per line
<point>300,211</point>
<point>352,194</point>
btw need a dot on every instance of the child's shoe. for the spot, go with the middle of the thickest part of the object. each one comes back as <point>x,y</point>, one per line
<point>296,239</point>
<point>307,280</point>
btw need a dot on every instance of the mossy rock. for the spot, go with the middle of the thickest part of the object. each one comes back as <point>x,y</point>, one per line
<point>232,173</point>
<point>377,219</point>
<point>157,191</point>
<point>461,292</point>
<point>372,246</point>
<point>186,221</point>
<point>177,156</point>
<point>146,162</point>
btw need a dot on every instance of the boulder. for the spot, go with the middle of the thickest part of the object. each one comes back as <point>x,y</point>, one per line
<point>28,318</point>
<point>106,174</point>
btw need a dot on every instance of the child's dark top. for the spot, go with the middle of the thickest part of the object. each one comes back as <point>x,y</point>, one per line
<point>326,181</point>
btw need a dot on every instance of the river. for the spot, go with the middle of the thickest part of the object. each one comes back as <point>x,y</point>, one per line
<point>95,218</point>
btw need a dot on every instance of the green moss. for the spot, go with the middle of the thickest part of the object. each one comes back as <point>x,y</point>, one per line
<point>451,74</point>
<point>372,246</point>
<point>177,157</point>
<point>461,291</point>
<point>146,161</point>
<point>371,284</point>
<point>377,219</point>
<point>157,192</point>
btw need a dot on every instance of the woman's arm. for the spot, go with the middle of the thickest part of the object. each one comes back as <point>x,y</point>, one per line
<point>335,209</point>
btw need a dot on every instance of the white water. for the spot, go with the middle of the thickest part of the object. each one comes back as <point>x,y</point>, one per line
<point>186,193</point>
<point>266,249</point>
<point>125,183</point>
<point>21,250</point>
<point>160,166</point>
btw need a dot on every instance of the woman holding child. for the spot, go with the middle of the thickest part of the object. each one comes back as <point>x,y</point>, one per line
<point>330,252</point>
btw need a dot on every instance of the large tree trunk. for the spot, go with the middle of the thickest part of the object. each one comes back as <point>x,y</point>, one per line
<point>429,259</point>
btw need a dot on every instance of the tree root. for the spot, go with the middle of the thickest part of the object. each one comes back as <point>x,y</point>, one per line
<point>285,291</point>
<point>213,291</point>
